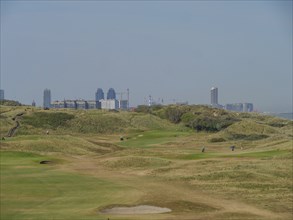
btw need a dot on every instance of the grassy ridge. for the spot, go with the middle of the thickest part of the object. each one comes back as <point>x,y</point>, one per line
<point>233,126</point>
<point>87,122</point>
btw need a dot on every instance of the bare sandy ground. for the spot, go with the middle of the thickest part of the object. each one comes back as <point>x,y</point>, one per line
<point>141,209</point>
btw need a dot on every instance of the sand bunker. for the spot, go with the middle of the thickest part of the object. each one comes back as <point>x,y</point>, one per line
<point>141,209</point>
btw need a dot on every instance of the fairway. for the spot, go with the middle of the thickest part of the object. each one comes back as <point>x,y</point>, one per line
<point>149,170</point>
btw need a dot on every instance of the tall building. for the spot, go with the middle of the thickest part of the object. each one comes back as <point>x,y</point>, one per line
<point>111,94</point>
<point>1,94</point>
<point>214,96</point>
<point>99,94</point>
<point>47,98</point>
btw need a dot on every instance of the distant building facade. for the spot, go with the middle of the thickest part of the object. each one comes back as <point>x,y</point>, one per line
<point>1,94</point>
<point>47,98</point>
<point>111,94</point>
<point>123,104</point>
<point>247,107</point>
<point>109,104</point>
<point>99,94</point>
<point>59,104</point>
<point>239,107</point>
<point>92,104</point>
<point>99,103</point>
<point>214,96</point>
<point>74,104</point>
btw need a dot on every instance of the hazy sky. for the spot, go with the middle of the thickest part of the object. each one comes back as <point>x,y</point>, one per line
<point>175,50</point>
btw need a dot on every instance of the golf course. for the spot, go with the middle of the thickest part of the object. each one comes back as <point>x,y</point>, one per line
<point>162,162</point>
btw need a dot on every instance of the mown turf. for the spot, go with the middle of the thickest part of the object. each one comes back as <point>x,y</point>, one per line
<point>30,190</point>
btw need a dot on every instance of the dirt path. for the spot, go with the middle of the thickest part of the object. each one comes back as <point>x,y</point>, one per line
<point>13,130</point>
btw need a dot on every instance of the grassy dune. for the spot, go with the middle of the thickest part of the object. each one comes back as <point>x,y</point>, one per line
<point>157,163</point>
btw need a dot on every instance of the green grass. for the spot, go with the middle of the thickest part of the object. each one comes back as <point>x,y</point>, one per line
<point>152,138</point>
<point>258,154</point>
<point>64,144</point>
<point>30,190</point>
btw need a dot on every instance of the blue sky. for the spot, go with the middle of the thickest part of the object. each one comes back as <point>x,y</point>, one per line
<point>168,49</point>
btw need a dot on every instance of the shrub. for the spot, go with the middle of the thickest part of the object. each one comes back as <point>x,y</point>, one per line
<point>143,109</point>
<point>174,113</point>
<point>251,137</point>
<point>188,117</point>
<point>47,120</point>
<point>208,123</point>
<point>10,103</point>
<point>215,140</point>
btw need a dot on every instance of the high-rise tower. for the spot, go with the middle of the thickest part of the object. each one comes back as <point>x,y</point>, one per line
<point>1,94</point>
<point>111,94</point>
<point>214,96</point>
<point>99,94</point>
<point>47,98</point>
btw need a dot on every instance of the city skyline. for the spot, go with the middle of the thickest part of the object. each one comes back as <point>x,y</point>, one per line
<point>111,94</point>
<point>112,102</point>
<point>170,50</point>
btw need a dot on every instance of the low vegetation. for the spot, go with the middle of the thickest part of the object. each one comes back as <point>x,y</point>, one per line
<point>52,120</point>
<point>100,159</point>
<point>6,102</point>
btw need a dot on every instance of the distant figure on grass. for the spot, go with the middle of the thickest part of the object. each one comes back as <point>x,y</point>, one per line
<point>203,149</point>
<point>47,132</point>
<point>232,148</point>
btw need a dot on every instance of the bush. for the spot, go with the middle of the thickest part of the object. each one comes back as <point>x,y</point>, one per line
<point>174,113</point>
<point>143,109</point>
<point>215,140</point>
<point>198,117</point>
<point>47,120</point>
<point>251,137</point>
<point>10,103</point>
<point>208,123</point>
<point>188,117</point>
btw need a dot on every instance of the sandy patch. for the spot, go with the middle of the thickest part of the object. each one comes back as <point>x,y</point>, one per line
<point>141,209</point>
